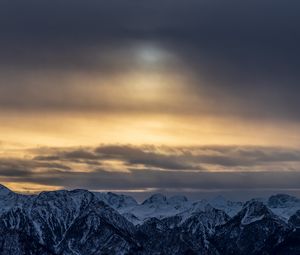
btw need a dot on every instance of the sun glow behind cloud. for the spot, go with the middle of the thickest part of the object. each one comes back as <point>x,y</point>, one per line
<point>74,129</point>
<point>141,106</point>
<point>152,100</point>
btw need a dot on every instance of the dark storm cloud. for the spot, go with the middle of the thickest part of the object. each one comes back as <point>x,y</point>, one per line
<point>246,51</point>
<point>163,168</point>
<point>130,155</point>
<point>245,155</point>
<point>135,155</point>
<point>12,171</point>
<point>21,168</point>
<point>182,158</point>
<point>163,180</point>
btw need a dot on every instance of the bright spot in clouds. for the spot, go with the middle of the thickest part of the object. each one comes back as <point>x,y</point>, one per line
<point>151,55</point>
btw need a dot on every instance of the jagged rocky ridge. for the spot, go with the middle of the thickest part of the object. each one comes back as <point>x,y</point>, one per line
<point>80,222</point>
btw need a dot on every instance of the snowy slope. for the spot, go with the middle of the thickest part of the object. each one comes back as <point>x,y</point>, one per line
<point>284,205</point>
<point>160,207</point>
<point>80,222</point>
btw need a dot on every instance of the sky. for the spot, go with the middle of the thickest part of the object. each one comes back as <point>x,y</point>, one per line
<point>195,97</point>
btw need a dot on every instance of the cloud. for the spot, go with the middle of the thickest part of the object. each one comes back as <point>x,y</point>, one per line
<point>246,155</point>
<point>20,168</point>
<point>241,58</point>
<point>193,170</point>
<point>192,157</point>
<point>135,155</point>
<point>198,158</point>
<point>160,180</point>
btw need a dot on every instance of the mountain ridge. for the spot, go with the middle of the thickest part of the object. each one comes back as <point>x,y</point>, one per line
<point>83,222</point>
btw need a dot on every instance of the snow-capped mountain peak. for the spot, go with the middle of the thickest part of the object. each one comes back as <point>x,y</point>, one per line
<point>283,201</point>
<point>283,205</point>
<point>156,199</point>
<point>116,201</point>
<point>254,211</point>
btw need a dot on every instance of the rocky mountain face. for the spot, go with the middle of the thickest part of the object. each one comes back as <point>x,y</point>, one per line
<point>291,243</point>
<point>254,230</point>
<point>80,222</point>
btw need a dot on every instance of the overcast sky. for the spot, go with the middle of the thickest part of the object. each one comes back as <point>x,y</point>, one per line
<point>193,97</point>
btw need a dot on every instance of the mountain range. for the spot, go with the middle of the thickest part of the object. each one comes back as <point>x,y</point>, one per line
<point>80,222</point>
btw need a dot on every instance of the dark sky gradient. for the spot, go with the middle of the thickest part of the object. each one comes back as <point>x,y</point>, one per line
<point>248,51</point>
